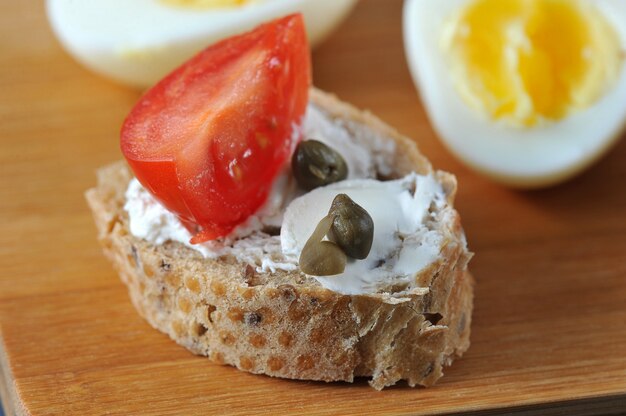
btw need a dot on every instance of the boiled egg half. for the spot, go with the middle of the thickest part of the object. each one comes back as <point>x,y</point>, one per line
<point>528,92</point>
<point>138,42</point>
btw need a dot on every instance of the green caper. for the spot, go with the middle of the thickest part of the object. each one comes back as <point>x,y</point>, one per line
<point>353,227</point>
<point>314,164</point>
<point>322,258</point>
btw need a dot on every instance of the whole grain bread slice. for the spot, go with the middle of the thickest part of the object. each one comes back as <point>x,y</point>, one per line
<point>285,324</point>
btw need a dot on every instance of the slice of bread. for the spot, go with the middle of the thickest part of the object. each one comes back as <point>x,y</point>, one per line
<point>285,324</point>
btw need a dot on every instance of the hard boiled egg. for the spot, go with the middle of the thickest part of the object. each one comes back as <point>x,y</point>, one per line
<point>139,41</point>
<point>528,92</point>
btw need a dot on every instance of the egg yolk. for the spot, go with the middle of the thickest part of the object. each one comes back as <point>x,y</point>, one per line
<point>206,4</point>
<point>526,61</point>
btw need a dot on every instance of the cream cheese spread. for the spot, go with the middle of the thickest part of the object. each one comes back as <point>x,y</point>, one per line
<point>402,246</point>
<point>148,219</point>
<point>358,157</point>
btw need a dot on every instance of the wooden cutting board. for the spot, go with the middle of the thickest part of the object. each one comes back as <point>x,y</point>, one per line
<point>549,330</point>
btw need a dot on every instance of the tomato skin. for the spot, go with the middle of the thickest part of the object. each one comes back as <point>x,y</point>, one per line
<point>210,138</point>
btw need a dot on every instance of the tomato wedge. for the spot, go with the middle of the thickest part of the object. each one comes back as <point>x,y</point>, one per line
<point>209,139</point>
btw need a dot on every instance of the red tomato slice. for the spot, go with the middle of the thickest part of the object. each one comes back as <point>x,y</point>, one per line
<point>209,139</point>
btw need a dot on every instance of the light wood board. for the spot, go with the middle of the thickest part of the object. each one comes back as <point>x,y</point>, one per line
<point>549,330</point>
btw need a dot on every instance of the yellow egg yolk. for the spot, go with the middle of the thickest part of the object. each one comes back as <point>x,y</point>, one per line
<point>206,4</point>
<point>526,61</point>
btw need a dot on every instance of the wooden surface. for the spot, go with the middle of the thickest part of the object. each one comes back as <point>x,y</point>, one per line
<point>549,331</point>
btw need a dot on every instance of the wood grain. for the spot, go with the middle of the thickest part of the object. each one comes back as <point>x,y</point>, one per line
<point>549,331</point>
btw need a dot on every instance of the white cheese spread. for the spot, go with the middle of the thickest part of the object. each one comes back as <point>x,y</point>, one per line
<point>402,246</point>
<point>358,158</point>
<point>148,219</point>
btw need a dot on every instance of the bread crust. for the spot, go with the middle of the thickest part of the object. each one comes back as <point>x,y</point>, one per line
<point>288,325</point>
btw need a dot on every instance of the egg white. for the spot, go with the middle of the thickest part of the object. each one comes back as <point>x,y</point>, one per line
<point>537,156</point>
<point>137,42</point>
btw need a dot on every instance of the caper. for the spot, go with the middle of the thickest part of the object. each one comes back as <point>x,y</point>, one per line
<point>314,164</point>
<point>322,258</point>
<point>353,227</point>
